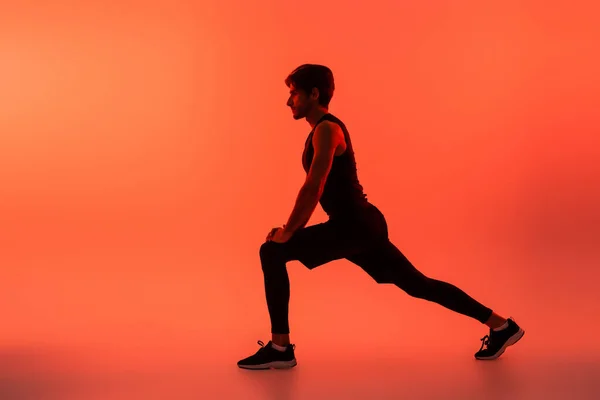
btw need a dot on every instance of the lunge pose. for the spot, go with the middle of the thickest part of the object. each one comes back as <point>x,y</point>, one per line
<point>355,230</point>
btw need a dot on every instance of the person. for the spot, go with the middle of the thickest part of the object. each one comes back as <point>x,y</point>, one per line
<point>355,230</point>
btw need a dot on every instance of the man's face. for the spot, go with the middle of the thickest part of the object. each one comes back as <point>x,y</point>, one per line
<point>300,102</point>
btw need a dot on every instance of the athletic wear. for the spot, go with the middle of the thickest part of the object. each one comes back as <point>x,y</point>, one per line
<point>497,341</point>
<point>267,357</point>
<point>357,231</point>
<point>363,241</point>
<point>343,194</point>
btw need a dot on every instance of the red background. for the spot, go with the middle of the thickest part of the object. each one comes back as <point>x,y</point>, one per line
<point>146,150</point>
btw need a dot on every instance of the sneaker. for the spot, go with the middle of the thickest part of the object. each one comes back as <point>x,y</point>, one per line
<point>497,341</point>
<point>267,357</point>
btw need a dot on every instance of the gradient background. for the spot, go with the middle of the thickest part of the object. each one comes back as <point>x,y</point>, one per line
<point>146,150</point>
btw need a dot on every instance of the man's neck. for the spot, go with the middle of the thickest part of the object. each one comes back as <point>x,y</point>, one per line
<point>315,115</point>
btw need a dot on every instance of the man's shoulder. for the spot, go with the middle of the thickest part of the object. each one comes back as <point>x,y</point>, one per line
<point>332,119</point>
<point>328,127</point>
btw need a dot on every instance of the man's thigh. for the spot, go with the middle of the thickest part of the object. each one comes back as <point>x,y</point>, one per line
<point>385,263</point>
<point>320,244</point>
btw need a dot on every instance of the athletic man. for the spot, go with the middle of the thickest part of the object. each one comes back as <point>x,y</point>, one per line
<point>356,230</point>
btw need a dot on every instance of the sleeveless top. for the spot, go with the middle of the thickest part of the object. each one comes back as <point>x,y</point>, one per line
<point>343,194</point>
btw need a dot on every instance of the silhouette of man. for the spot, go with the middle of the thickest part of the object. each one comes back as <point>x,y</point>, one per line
<point>355,230</point>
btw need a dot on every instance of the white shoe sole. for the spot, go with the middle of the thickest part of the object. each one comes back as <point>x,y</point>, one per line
<point>272,365</point>
<point>512,340</point>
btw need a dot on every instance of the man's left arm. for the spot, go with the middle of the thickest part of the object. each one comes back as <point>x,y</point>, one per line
<point>326,138</point>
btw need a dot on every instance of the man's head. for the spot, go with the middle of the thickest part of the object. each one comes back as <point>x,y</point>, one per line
<point>311,86</point>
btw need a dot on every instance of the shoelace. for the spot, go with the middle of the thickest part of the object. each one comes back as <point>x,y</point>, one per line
<point>485,341</point>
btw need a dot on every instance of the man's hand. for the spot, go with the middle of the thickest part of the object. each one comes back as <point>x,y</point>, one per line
<point>279,235</point>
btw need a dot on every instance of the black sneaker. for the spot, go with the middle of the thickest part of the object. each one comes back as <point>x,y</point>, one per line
<point>497,341</point>
<point>267,357</point>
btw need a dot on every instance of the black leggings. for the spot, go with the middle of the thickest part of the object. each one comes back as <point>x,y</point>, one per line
<point>363,240</point>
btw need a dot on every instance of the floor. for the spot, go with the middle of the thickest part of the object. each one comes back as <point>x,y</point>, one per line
<point>93,329</point>
<point>208,371</point>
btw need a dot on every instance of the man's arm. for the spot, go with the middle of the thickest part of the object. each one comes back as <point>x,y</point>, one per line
<point>326,139</point>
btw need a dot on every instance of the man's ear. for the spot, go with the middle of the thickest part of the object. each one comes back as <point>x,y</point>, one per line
<point>314,93</point>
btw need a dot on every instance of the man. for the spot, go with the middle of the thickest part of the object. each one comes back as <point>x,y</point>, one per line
<point>356,230</point>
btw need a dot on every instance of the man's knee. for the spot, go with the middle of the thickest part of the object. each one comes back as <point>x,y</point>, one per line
<point>271,254</point>
<point>267,250</point>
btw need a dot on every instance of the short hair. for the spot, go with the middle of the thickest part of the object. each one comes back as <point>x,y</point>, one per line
<point>309,76</point>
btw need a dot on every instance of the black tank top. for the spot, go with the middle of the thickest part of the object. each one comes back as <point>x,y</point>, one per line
<point>343,194</point>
